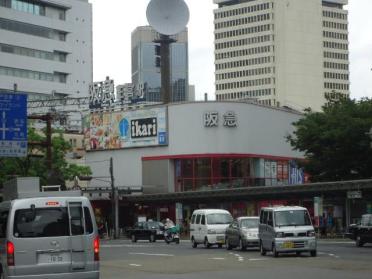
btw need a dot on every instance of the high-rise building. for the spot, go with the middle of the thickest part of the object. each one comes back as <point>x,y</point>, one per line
<point>146,64</point>
<point>281,53</point>
<point>46,47</point>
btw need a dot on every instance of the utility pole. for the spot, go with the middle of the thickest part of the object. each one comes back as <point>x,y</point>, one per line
<point>48,143</point>
<point>113,219</point>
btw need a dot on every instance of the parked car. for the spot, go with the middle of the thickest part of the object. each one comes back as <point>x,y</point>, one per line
<point>150,230</point>
<point>242,233</point>
<point>286,229</point>
<point>362,232</point>
<point>208,226</point>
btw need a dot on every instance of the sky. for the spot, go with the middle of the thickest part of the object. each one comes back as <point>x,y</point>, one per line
<point>114,21</point>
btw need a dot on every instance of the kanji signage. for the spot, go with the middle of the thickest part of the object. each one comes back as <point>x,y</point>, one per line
<point>211,119</point>
<point>101,94</point>
<point>13,125</point>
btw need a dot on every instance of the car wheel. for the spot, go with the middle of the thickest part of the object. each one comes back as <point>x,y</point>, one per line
<point>241,245</point>
<point>313,253</point>
<point>219,245</point>
<point>177,241</point>
<point>134,238</point>
<point>358,241</point>
<point>206,243</point>
<point>298,254</point>
<point>228,245</point>
<point>275,252</point>
<point>152,238</point>
<point>262,249</point>
<point>193,243</point>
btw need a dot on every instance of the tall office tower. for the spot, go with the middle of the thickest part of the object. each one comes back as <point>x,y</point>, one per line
<point>146,64</point>
<point>46,47</point>
<point>281,52</point>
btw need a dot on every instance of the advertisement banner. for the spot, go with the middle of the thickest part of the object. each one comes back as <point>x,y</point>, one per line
<point>126,129</point>
<point>296,174</point>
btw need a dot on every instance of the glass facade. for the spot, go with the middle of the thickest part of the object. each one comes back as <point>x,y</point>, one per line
<point>31,29</point>
<point>56,56</point>
<point>35,8</point>
<point>197,174</point>
<point>146,70</point>
<point>28,7</point>
<point>55,77</point>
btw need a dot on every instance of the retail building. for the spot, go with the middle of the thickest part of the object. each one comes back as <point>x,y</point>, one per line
<point>191,147</point>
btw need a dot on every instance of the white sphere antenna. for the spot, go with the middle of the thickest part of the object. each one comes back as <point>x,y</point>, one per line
<point>168,17</point>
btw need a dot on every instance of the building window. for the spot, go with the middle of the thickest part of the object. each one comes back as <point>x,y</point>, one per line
<point>31,29</point>
<point>60,77</point>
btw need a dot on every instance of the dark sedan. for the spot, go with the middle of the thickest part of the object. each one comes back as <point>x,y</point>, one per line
<point>362,232</point>
<point>150,230</point>
<point>242,233</point>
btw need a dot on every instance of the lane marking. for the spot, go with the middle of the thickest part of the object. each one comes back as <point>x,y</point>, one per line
<point>150,254</point>
<point>218,259</point>
<point>257,259</point>
<point>135,265</point>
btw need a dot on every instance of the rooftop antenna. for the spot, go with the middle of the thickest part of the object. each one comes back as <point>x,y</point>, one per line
<point>167,17</point>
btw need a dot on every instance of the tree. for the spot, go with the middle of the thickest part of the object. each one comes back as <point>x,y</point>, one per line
<point>336,142</point>
<point>35,162</point>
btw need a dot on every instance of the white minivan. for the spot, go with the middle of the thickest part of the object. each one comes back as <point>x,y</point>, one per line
<point>208,226</point>
<point>286,229</point>
<point>48,237</point>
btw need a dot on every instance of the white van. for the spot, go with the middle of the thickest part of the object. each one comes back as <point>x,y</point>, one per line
<point>50,237</point>
<point>208,226</point>
<point>286,229</point>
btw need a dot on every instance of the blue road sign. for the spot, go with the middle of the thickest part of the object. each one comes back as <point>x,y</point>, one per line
<point>13,125</point>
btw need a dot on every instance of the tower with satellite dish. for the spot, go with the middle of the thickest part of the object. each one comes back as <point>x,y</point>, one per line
<point>167,17</point>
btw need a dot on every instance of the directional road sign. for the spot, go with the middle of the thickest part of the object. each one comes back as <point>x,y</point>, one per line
<point>13,125</point>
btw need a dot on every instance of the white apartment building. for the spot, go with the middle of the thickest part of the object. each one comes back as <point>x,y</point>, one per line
<point>46,47</point>
<point>282,53</point>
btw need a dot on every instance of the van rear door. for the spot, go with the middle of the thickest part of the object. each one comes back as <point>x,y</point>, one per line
<point>41,240</point>
<point>77,239</point>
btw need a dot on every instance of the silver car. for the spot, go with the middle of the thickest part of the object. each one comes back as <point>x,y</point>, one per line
<point>242,233</point>
<point>48,238</point>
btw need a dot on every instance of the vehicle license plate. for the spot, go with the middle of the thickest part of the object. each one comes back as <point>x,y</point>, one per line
<point>288,245</point>
<point>220,239</point>
<point>52,258</point>
<point>56,258</point>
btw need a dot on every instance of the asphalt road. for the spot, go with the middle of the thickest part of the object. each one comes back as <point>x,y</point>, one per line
<point>144,260</point>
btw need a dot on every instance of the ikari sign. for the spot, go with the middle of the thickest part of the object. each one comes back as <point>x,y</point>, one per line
<point>144,128</point>
<point>126,129</point>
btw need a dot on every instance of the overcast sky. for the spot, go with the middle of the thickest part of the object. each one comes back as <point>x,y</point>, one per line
<point>114,20</point>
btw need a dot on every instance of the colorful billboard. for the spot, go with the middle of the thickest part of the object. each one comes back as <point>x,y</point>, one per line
<point>125,129</point>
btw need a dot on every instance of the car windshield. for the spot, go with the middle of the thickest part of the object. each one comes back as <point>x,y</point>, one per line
<point>366,220</point>
<point>292,218</point>
<point>249,223</point>
<point>219,218</point>
<point>153,225</point>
